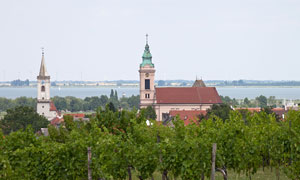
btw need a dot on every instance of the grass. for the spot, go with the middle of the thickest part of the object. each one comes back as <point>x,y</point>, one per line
<point>267,174</point>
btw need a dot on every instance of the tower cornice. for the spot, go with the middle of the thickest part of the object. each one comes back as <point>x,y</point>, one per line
<point>43,77</point>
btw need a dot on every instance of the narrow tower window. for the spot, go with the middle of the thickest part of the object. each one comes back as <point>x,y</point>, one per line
<point>147,83</point>
<point>43,88</point>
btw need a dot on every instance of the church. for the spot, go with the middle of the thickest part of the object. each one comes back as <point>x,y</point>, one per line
<point>44,105</point>
<point>167,99</point>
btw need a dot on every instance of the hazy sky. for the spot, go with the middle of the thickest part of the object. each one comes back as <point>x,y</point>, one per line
<point>104,40</point>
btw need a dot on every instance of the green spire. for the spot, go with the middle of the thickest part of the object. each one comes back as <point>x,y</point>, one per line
<point>147,57</point>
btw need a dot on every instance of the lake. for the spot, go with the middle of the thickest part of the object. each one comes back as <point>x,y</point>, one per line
<point>82,92</point>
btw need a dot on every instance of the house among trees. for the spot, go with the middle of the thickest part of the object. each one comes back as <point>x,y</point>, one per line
<point>166,99</point>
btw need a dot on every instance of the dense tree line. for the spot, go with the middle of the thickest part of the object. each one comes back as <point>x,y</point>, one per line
<point>19,82</point>
<point>258,83</point>
<point>6,103</point>
<point>74,104</point>
<point>123,145</point>
<point>92,103</point>
<point>260,101</point>
<point>20,118</point>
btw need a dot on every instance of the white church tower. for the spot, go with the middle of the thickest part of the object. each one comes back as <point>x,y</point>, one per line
<point>44,104</point>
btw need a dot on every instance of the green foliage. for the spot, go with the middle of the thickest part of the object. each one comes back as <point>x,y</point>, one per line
<point>262,101</point>
<point>60,102</point>
<point>247,102</point>
<point>19,82</point>
<point>6,104</point>
<point>92,103</point>
<point>149,112</point>
<point>122,141</point>
<point>220,110</point>
<point>21,117</point>
<point>231,102</point>
<point>110,106</point>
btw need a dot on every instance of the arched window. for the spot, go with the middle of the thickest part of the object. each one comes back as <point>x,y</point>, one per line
<point>43,88</point>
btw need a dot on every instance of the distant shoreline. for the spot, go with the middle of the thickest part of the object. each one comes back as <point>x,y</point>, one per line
<point>135,86</point>
<point>237,92</point>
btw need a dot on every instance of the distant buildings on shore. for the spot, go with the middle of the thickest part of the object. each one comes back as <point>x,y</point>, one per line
<point>159,83</point>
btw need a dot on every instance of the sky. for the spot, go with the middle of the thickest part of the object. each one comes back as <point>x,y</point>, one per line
<point>104,40</point>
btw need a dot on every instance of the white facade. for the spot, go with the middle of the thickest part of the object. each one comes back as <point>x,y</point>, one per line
<point>160,109</point>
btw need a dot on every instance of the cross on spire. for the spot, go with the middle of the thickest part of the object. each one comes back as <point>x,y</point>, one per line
<point>42,50</point>
<point>147,38</point>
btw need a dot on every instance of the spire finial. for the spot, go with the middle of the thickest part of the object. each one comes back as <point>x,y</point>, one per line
<point>42,50</point>
<point>147,38</point>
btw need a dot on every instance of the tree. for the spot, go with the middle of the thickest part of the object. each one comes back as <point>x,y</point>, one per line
<point>60,102</point>
<point>226,100</point>
<point>21,117</point>
<point>24,101</point>
<point>161,83</point>
<point>262,101</point>
<point>103,100</point>
<point>111,96</point>
<point>116,95</point>
<point>272,101</point>
<point>94,102</point>
<point>149,113</point>
<point>220,110</point>
<point>247,102</point>
<point>111,107</point>
<point>134,101</point>
<point>75,104</point>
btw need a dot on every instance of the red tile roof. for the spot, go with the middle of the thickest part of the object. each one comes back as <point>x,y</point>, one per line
<point>56,121</point>
<point>76,115</point>
<point>52,107</point>
<point>187,95</point>
<point>279,111</point>
<point>188,116</point>
<point>249,109</point>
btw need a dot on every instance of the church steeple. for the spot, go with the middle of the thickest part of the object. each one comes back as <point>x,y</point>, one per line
<point>43,92</point>
<point>43,70</point>
<point>147,57</point>
<point>147,76</point>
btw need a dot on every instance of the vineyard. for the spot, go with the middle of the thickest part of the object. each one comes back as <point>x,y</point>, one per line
<point>123,146</point>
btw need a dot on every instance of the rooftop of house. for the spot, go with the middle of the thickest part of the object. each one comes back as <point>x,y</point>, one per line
<point>199,83</point>
<point>187,95</point>
<point>188,116</point>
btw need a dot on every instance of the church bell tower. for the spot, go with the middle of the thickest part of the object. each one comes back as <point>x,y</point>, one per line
<point>43,91</point>
<point>147,74</point>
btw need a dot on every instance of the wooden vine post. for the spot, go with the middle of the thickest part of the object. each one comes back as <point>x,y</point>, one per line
<point>213,161</point>
<point>89,163</point>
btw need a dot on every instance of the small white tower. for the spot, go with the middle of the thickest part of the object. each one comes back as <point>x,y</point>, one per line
<point>43,92</point>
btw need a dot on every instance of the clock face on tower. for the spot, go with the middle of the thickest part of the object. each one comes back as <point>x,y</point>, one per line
<point>43,82</point>
<point>147,74</point>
